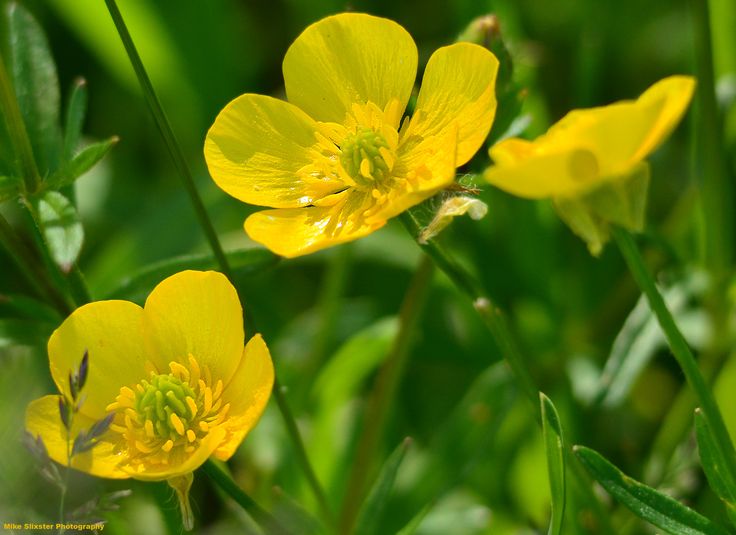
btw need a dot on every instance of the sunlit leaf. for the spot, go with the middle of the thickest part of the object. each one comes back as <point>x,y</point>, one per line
<point>555,448</point>
<point>85,160</point>
<point>647,503</point>
<point>61,228</point>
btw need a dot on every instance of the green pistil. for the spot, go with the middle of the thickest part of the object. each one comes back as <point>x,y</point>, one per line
<point>163,396</point>
<point>361,157</point>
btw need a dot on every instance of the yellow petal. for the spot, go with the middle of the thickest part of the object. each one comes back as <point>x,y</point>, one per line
<point>248,394</point>
<point>197,313</point>
<point>257,150</point>
<point>537,175</point>
<point>112,333</point>
<point>349,58</point>
<point>458,88</point>
<point>299,231</point>
<point>675,93</point>
<point>42,419</point>
<point>195,459</point>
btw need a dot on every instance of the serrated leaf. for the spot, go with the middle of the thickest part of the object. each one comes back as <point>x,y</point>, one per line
<point>10,187</point>
<point>645,502</point>
<point>80,164</point>
<point>371,512</point>
<point>61,228</point>
<point>15,332</point>
<point>243,261</point>
<point>555,449</point>
<point>714,463</point>
<point>75,111</point>
<point>36,84</point>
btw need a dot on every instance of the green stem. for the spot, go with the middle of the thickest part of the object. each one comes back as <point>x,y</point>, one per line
<point>29,268</point>
<point>678,345</point>
<point>491,315</point>
<point>167,133</point>
<point>711,160</point>
<point>226,483</point>
<point>301,453</point>
<point>17,130</point>
<point>384,392</point>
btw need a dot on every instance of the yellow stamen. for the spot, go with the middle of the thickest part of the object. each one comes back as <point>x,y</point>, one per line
<point>195,372</point>
<point>192,406</point>
<point>168,445</point>
<point>218,389</point>
<point>176,422</point>
<point>190,435</point>
<point>204,426</point>
<point>142,447</point>
<point>207,399</point>
<point>149,428</point>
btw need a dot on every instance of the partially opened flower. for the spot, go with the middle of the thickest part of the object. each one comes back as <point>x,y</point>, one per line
<point>175,376</point>
<point>595,155</point>
<point>336,161</point>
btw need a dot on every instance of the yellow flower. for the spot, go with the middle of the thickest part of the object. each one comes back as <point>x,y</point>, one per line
<point>175,375</point>
<point>336,161</point>
<point>588,148</point>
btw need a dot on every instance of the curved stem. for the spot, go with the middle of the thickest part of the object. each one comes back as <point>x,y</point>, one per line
<point>678,345</point>
<point>167,133</point>
<point>383,394</point>
<point>301,453</point>
<point>226,483</point>
<point>491,315</point>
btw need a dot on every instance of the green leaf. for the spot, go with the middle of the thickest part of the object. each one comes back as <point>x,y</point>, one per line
<point>555,449</point>
<point>375,504</point>
<point>81,163</point>
<point>10,187</point>
<point>15,332</point>
<point>21,306</point>
<point>244,261</point>
<point>647,503</point>
<point>413,525</point>
<point>36,84</point>
<point>61,228</point>
<point>75,111</point>
<point>714,463</point>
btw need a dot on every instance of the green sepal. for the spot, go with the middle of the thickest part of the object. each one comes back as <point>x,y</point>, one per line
<point>182,485</point>
<point>61,227</point>
<point>714,463</point>
<point>620,201</point>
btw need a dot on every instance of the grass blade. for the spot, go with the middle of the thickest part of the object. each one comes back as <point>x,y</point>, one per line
<point>555,449</point>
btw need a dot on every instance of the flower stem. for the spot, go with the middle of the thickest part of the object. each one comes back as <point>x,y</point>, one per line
<point>167,133</point>
<point>678,345</point>
<point>491,315</point>
<point>384,392</point>
<point>17,130</point>
<point>226,483</point>
<point>301,453</point>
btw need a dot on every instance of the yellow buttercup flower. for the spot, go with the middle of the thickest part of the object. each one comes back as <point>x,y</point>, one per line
<point>590,147</point>
<point>174,374</point>
<point>336,161</point>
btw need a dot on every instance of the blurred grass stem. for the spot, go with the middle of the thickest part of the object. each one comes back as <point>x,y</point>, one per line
<point>226,483</point>
<point>384,393</point>
<point>17,130</point>
<point>167,133</point>
<point>301,453</point>
<point>678,345</point>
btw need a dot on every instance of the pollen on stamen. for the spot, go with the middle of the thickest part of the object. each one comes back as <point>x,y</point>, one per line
<point>168,445</point>
<point>177,423</point>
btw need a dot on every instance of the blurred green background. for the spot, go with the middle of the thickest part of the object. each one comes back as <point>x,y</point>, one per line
<point>477,456</point>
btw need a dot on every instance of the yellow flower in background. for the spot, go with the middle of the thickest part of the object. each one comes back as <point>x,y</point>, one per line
<point>336,161</point>
<point>174,374</point>
<point>590,147</point>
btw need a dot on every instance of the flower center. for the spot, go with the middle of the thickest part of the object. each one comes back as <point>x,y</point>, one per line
<point>366,157</point>
<point>165,417</point>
